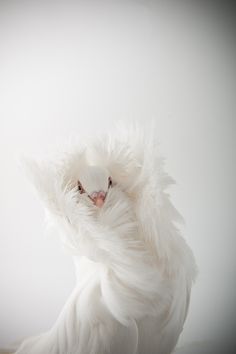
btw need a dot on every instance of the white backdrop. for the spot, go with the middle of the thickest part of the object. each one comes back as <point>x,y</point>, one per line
<point>67,68</point>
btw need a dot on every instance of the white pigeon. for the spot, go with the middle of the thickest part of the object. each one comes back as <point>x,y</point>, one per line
<point>134,270</point>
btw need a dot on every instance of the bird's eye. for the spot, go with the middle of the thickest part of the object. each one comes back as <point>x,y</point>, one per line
<point>109,182</point>
<point>80,188</point>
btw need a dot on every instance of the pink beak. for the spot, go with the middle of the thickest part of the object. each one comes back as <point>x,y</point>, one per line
<point>98,198</point>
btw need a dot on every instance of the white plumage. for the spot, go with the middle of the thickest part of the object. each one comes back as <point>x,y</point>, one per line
<point>134,270</point>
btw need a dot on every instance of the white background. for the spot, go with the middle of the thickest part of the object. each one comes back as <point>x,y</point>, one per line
<point>67,68</point>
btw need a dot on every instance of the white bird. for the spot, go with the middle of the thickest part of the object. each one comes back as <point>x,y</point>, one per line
<point>134,270</point>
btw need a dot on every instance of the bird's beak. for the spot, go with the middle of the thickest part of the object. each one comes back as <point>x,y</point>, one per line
<point>98,198</point>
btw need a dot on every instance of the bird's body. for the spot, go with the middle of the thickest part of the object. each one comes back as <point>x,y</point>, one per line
<point>134,270</point>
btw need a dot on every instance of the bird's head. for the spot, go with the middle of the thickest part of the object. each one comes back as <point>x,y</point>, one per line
<point>93,183</point>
